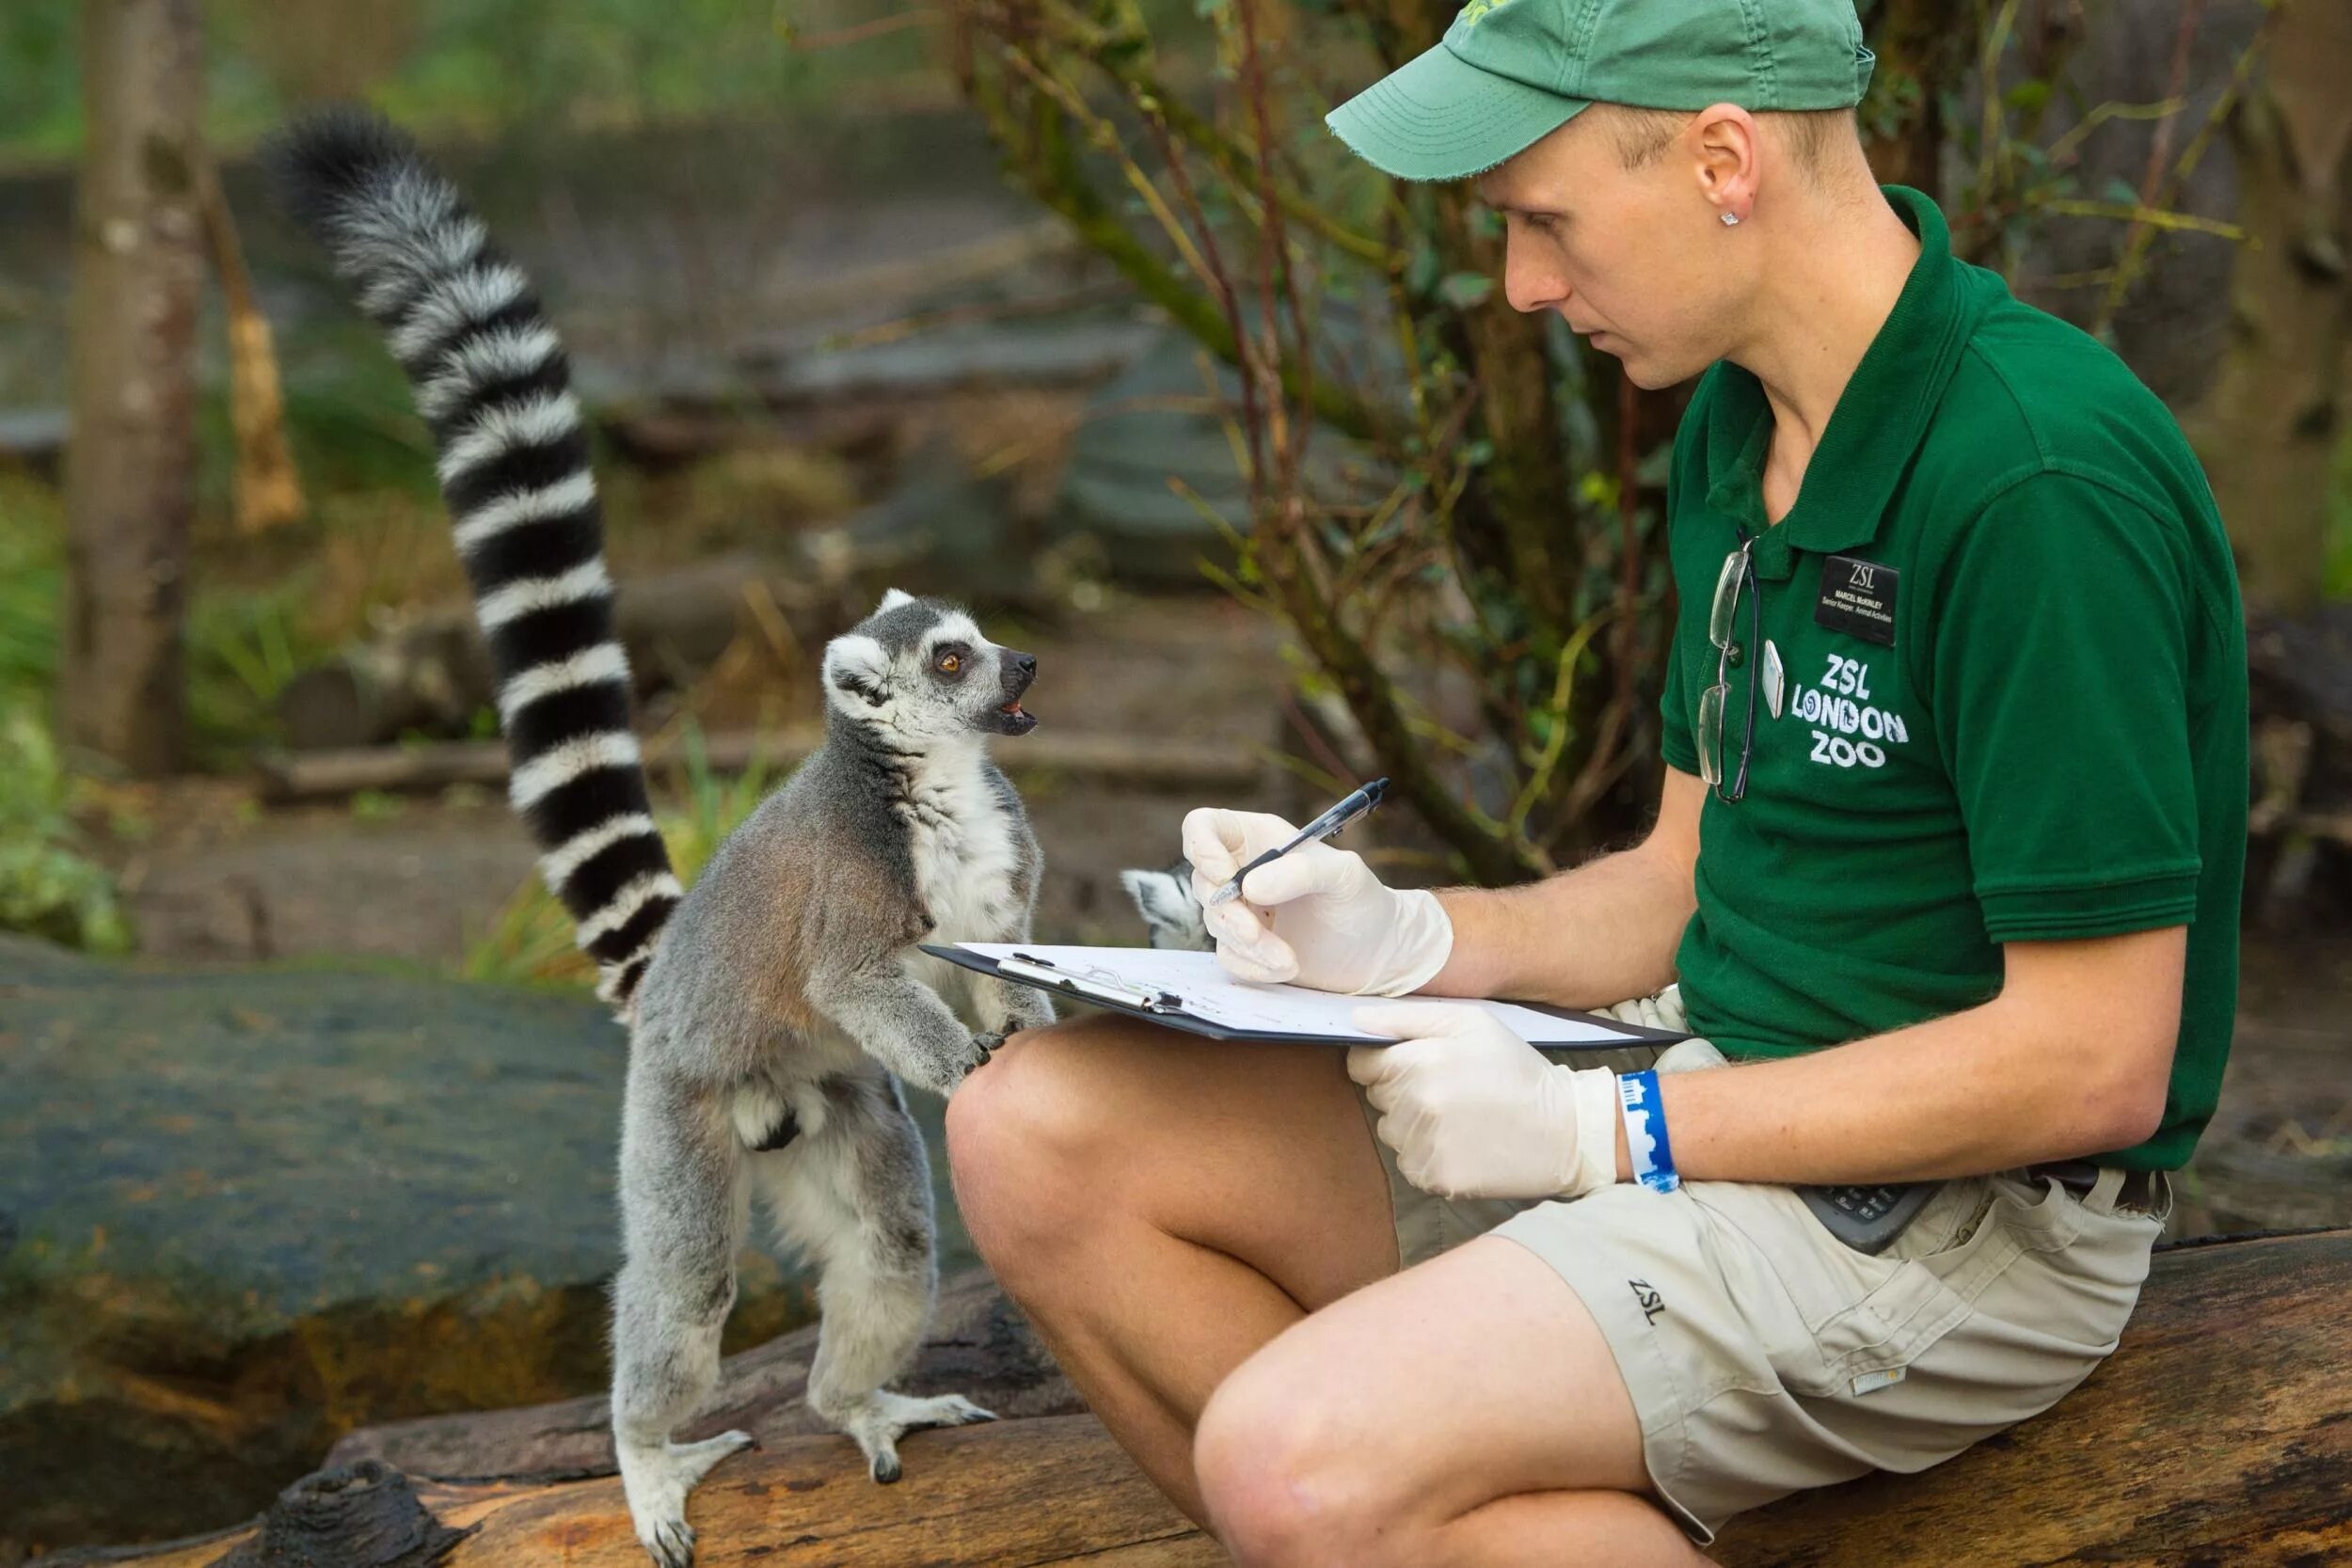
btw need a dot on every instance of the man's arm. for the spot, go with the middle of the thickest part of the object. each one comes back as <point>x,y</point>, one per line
<point>1587,937</point>
<point>2073,1058</point>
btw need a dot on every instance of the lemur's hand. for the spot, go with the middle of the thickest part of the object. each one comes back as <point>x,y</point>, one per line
<point>1316,917</point>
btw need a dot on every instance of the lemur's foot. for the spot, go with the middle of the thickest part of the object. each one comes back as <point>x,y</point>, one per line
<point>879,1419</point>
<point>657,1479</point>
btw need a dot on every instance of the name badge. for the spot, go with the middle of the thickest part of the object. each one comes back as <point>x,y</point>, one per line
<point>1858,597</point>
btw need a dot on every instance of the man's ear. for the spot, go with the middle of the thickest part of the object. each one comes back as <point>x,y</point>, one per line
<point>891,598</point>
<point>857,671</point>
<point>1723,144</point>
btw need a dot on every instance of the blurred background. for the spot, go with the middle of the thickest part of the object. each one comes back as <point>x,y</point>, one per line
<point>1070,308</point>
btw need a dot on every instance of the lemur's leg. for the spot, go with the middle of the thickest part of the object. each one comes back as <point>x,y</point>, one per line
<point>1003,1006</point>
<point>897,1020</point>
<point>684,1202</point>
<point>856,1198</point>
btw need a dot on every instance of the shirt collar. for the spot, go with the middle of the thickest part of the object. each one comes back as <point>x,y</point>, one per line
<point>1878,423</point>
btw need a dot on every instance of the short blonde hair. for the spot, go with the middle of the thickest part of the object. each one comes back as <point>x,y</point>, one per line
<point>1810,134</point>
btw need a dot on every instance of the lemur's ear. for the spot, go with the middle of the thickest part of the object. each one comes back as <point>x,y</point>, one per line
<point>891,598</point>
<point>857,672</point>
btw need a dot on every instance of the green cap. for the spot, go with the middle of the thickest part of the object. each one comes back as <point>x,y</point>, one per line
<point>1510,73</point>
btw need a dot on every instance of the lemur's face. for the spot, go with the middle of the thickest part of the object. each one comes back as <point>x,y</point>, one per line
<point>920,670</point>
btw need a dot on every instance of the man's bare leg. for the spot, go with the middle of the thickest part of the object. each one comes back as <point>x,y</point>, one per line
<point>1162,1206</point>
<point>1465,1414</point>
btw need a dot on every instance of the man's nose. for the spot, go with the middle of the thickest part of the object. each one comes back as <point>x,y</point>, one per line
<point>1528,282</point>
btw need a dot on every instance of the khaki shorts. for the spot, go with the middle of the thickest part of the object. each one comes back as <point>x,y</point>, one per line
<point>1765,1357</point>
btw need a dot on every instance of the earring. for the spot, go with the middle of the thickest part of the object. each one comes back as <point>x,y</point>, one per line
<point>1732,220</point>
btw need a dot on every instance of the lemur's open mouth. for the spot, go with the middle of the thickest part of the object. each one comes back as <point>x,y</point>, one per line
<point>1011,718</point>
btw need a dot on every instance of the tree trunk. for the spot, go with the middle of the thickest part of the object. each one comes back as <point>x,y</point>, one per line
<point>131,470</point>
<point>2269,431</point>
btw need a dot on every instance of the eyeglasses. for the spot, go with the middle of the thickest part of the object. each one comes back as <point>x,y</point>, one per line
<point>1738,570</point>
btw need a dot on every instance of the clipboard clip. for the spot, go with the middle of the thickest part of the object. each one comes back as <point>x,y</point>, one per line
<point>1103,988</point>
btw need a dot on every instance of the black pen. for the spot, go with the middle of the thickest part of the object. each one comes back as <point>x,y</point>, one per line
<point>1321,828</point>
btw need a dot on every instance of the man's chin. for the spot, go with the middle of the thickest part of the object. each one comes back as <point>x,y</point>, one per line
<point>1638,369</point>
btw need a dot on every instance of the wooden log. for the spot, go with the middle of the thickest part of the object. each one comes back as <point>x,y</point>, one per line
<point>980,1346</point>
<point>1148,762</point>
<point>2218,1434</point>
<point>1017,1494</point>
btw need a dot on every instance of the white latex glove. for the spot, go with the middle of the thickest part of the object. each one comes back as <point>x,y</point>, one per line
<point>1316,917</point>
<point>1474,1111</point>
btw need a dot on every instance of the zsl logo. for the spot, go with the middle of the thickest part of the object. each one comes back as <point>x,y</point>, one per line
<point>1476,8</point>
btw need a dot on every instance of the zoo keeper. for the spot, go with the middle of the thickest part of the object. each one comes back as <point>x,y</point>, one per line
<point>1947,863</point>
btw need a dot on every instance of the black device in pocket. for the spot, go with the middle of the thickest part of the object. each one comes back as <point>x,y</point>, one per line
<point>1868,1219</point>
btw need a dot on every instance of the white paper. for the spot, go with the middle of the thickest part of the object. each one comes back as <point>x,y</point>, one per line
<point>1210,993</point>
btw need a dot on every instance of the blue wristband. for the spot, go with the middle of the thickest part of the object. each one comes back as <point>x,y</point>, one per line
<point>1646,1132</point>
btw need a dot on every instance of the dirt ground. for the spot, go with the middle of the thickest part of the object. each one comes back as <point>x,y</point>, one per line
<point>217,878</point>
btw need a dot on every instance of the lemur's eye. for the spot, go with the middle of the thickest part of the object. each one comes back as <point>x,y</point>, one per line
<point>950,663</point>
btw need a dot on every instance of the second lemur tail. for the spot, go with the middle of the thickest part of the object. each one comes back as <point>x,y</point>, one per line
<point>491,380</point>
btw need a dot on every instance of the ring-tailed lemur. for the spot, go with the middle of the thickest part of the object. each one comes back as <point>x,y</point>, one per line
<point>771,1004</point>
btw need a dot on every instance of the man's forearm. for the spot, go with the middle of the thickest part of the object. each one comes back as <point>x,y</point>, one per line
<point>1600,934</point>
<point>1999,1085</point>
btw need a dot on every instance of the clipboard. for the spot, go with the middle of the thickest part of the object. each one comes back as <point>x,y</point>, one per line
<point>1165,1006</point>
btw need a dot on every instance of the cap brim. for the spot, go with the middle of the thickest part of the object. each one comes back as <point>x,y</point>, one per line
<point>1438,116</point>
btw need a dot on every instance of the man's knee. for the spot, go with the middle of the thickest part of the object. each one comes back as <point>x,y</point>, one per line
<point>1280,1488</point>
<point>1018,1131</point>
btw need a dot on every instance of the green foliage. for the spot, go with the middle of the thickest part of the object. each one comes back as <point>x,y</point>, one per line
<point>47,887</point>
<point>530,940</point>
<point>479,67</point>
<point>2338,581</point>
<point>1451,566</point>
<point>243,649</point>
<point>32,585</point>
<point>40,81</point>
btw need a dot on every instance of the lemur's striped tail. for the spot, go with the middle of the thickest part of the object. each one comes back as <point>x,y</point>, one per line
<point>492,381</point>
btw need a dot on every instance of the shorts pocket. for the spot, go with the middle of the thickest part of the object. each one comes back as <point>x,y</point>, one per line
<point>1831,1321</point>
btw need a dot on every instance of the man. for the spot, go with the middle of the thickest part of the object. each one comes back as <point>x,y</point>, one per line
<point>1955,735</point>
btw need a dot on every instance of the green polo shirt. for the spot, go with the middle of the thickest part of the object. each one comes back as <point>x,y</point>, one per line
<point>2013,704</point>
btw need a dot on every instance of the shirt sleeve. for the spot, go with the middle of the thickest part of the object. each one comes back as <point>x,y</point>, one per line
<point>1674,711</point>
<point>2061,652</point>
